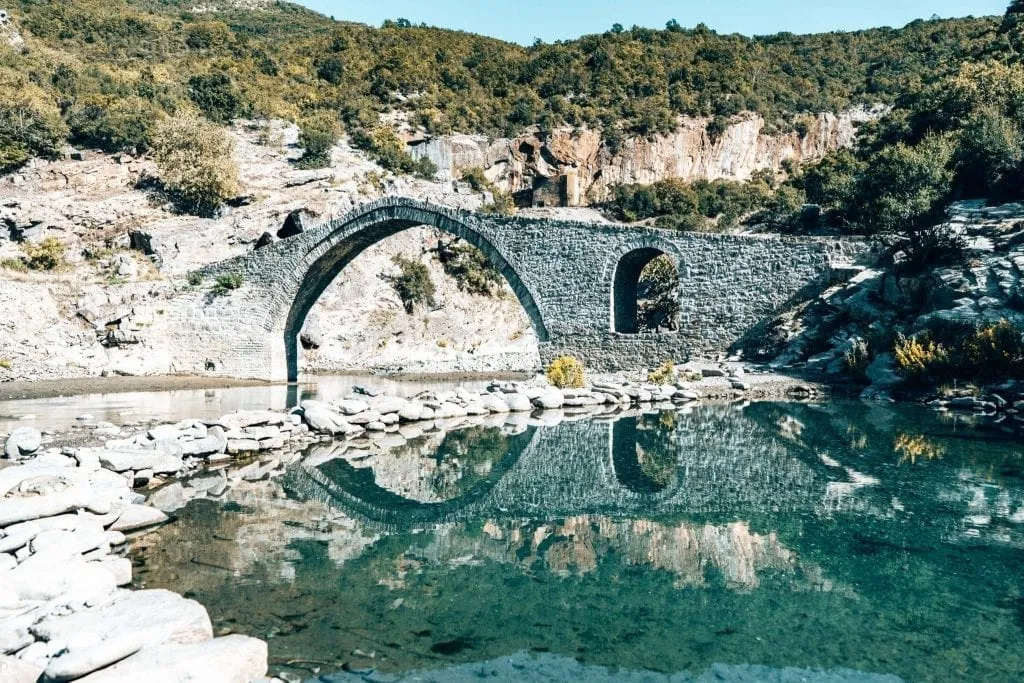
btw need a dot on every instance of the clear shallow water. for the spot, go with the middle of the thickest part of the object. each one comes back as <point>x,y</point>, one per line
<point>772,542</point>
<point>171,406</point>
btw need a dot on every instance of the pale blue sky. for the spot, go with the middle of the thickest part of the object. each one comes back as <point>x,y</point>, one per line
<point>524,20</point>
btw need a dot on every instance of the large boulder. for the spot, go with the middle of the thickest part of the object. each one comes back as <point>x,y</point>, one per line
<point>23,441</point>
<point>882,371</point>
<point>551,399</point>
<point>92,639</point>
<point>122,460</point>
<point>231,659</point>
<point>295,223</point>
<point>518,403</point>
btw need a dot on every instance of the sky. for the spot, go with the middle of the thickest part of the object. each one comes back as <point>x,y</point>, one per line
<point>523,21</point>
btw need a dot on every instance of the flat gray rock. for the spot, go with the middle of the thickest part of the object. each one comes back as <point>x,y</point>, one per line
<point>95,638</point>
<point>134,517</point>
<point>169,498</point>
<point>122,460</point>
<point>231,659</point>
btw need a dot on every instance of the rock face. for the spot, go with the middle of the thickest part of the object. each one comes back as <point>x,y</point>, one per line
<point>569,167</point>
<point>985,288</point>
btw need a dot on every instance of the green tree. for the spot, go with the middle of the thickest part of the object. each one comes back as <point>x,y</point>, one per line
<point>114,124</point>
<point>988,156</point>
<point>906,187</point>
<point>412,283</point>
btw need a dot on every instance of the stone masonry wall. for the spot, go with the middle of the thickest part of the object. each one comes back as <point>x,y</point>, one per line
<point>562,273</point>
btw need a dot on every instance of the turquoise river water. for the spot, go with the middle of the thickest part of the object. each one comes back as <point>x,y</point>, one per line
<point>766,542</point>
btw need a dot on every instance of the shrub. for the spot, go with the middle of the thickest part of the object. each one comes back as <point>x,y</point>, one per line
<point>995,351</point>
<point>389,151</point>
<point>476,179</point>
<point>664,374</point>
<point>920,359</point>
<point>217,97</point>
<point>47,255</point>
<point>317,135</point>
<point>195,278</point>
<point>114,125</point>
<point>566,372</point>
<point>992,352</point>
<point>15,264</point>
<point>227,282</point>
<point>469,267</point>
<point>195,162</point>
<point>5,363</point>
<point>858,358</point>
<point>28,130</point>
<point>412,283</point>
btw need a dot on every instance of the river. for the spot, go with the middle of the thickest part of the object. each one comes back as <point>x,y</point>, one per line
<point>768,541</point>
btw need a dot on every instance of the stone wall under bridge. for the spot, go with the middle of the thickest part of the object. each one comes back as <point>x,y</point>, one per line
<point>576,282</point>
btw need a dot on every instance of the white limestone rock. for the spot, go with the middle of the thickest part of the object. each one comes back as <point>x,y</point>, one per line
<point>494,403</point>
<point>387,404</point>
<point>133,517</point>
<point>351,406</point>
<point>98,637</point>
<point>13,670</point>
<point>23,440</point>
<point>551,399</point>
<point>231,659</point>
<point>518,403</point>
<point>252,418</point>
<point>123,460</point>
<point>169,498</point>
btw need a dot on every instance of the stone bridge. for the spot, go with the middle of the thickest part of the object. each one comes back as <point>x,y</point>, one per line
<point>576,281</point>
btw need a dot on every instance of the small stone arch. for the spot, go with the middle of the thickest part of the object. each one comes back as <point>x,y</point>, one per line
<point>626,268</point>
<point>341,241</point>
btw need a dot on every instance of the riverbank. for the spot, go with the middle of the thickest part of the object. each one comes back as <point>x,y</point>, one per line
<point>69,498</point>
<point>12,391</point>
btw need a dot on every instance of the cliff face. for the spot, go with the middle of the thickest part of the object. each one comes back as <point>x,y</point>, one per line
<point>569,167</point>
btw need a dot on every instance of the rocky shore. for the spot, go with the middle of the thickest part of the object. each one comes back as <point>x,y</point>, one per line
<point>69,500</point>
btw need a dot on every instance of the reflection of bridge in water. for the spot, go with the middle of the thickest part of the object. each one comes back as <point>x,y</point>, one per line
<point>716,462</point>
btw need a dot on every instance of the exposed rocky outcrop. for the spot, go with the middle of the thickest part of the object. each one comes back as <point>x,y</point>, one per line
<point>985,288</point>
<point>569,167</point>
<point>125,246</point>
<point>9,33</point>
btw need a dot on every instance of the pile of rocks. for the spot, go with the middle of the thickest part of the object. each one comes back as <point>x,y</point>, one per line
<point>360,413</point>
<point>63,612</point>
<point>1006,402</point>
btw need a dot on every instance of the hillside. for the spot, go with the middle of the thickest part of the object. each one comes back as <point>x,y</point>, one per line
<point>100,72</point>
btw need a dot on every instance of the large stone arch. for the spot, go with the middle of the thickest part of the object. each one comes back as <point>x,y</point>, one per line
<point>343,240</point>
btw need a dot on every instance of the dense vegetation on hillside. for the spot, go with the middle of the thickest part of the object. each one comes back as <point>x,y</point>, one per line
<point>955,137</point>
<point>103,71</point>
